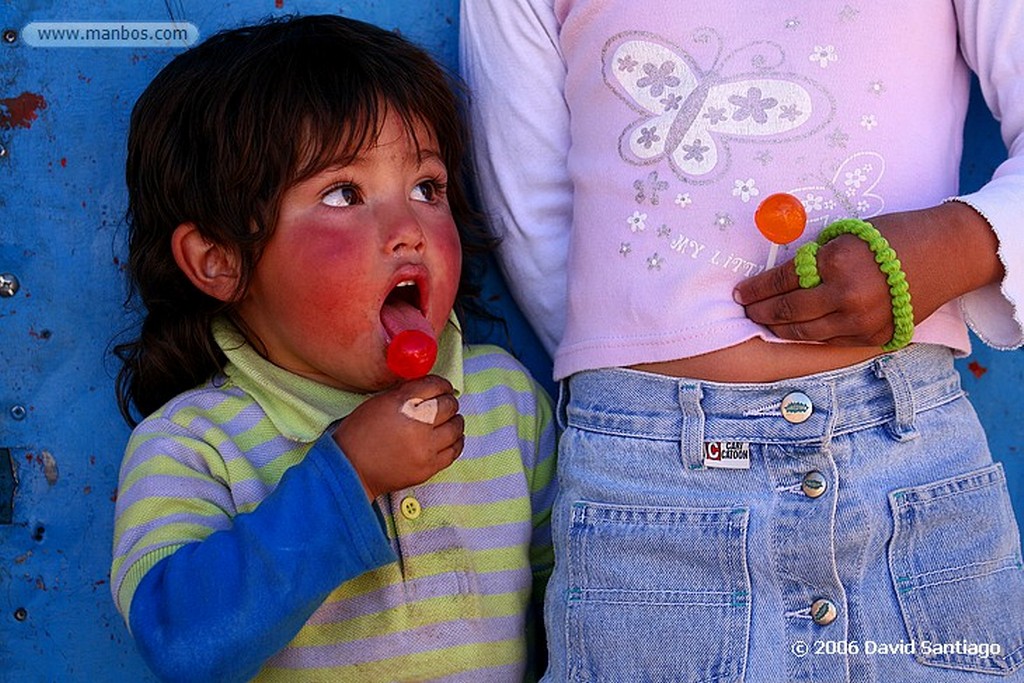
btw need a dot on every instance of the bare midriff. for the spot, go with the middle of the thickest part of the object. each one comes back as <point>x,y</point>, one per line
<point>756,360</point>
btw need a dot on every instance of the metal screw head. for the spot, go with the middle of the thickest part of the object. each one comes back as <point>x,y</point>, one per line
<point>10,36</point>
<point>21,614</point>
<point>9,285</point>
<point>18,412</point>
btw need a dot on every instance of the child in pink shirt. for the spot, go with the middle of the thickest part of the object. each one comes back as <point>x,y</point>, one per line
<point>751,487</point>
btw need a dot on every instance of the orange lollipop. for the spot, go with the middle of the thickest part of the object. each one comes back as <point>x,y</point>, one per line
<point>781,219</point>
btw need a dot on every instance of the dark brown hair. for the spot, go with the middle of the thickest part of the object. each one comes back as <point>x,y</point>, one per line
<point>219,136</point>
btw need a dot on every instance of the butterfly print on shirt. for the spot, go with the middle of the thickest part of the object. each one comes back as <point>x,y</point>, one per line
<point>694,104</point>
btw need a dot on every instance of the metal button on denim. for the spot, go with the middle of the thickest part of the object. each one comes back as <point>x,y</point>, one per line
<point>410,507</point>
<point>813,484</point>
<point>823,612</point>
<point>796,407</point>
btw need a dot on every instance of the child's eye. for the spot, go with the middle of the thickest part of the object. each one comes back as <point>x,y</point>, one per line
<point>428,191</point>
<point>343,195</point>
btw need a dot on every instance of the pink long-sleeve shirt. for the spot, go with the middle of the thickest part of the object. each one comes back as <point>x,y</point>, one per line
<point>623,146</point>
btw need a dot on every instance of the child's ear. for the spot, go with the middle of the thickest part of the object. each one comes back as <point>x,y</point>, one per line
<point>212,268</point>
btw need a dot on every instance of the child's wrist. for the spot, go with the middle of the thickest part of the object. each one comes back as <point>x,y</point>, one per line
<point>902,311</point>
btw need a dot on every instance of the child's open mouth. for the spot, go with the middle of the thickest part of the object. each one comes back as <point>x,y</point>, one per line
<point>411,347</point>
<point>402,310</point>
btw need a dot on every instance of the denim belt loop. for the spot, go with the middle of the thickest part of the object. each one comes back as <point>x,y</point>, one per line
<point>890,368</point>
<point>562,405</point>
<point>691,437</point>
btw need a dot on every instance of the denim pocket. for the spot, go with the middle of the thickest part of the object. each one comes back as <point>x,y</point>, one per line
<point>955,559</point>
<point>657,593</point>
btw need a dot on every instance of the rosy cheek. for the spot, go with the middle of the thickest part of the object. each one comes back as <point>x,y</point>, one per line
<point>334,275</point>
<point>451,247</point>
<point>446,246</point>
<point>451,254</point>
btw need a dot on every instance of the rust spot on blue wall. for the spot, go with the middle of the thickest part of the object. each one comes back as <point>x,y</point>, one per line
<point>977,369</point>
<point>20,111</point>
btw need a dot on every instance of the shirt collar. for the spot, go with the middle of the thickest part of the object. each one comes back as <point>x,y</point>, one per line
<point>301,408</point>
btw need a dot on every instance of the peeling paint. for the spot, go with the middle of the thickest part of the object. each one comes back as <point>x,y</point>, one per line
<point>50,470</point>
<point>21,111</point>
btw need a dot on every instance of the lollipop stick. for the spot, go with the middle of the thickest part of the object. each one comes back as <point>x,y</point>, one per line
<point>773,254</point>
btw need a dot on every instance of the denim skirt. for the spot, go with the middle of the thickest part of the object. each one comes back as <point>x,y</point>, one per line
<point>844,526</point>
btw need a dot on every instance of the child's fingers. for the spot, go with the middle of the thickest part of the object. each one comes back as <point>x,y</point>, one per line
<point>838,329</point>
<point>450,435</point>
<point>428,399</point>
<point>771,283</point>
<point>430,386</point>
<point>799,306</point>
<point>450,453</point>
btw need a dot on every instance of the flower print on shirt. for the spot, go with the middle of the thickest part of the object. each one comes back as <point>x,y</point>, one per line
<point>824,55</point>
<point>848,14</point>
<point>657,78</point>
<point>648,137</point>
<point>715,114</point>
<point>790,112</point>
<point>753,105</point>
<point>848,193</point>
<point>649,190</point>
<point>695,151</point>
<point>695,103</point>
<point>637,222</point>
<point>745,189</point>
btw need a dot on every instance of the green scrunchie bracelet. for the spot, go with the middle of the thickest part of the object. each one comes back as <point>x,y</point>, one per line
<point>806,262</point>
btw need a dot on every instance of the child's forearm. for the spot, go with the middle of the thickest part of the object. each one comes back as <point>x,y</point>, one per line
<point>511,61</point>
<point>939,273</point>
<point>218,609</point>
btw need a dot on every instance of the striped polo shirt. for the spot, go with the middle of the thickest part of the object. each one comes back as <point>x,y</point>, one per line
<point>244,541</point>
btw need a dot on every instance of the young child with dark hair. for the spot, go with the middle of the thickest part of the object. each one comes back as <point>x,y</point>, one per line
<point>289,507</point>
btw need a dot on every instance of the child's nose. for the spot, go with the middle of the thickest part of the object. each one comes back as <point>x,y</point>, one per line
<point>404,232</point>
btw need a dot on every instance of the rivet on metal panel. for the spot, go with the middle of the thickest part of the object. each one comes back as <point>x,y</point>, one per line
<point>18,412</point>
<point>21,614</point>
<point>9,285</point>
<point>10,36</point>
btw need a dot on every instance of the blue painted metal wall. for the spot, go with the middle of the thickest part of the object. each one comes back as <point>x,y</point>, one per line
<point>63,115</point>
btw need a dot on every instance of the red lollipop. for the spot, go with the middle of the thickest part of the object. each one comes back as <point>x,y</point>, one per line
<point>411,354</point>
<point>781,218</point>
